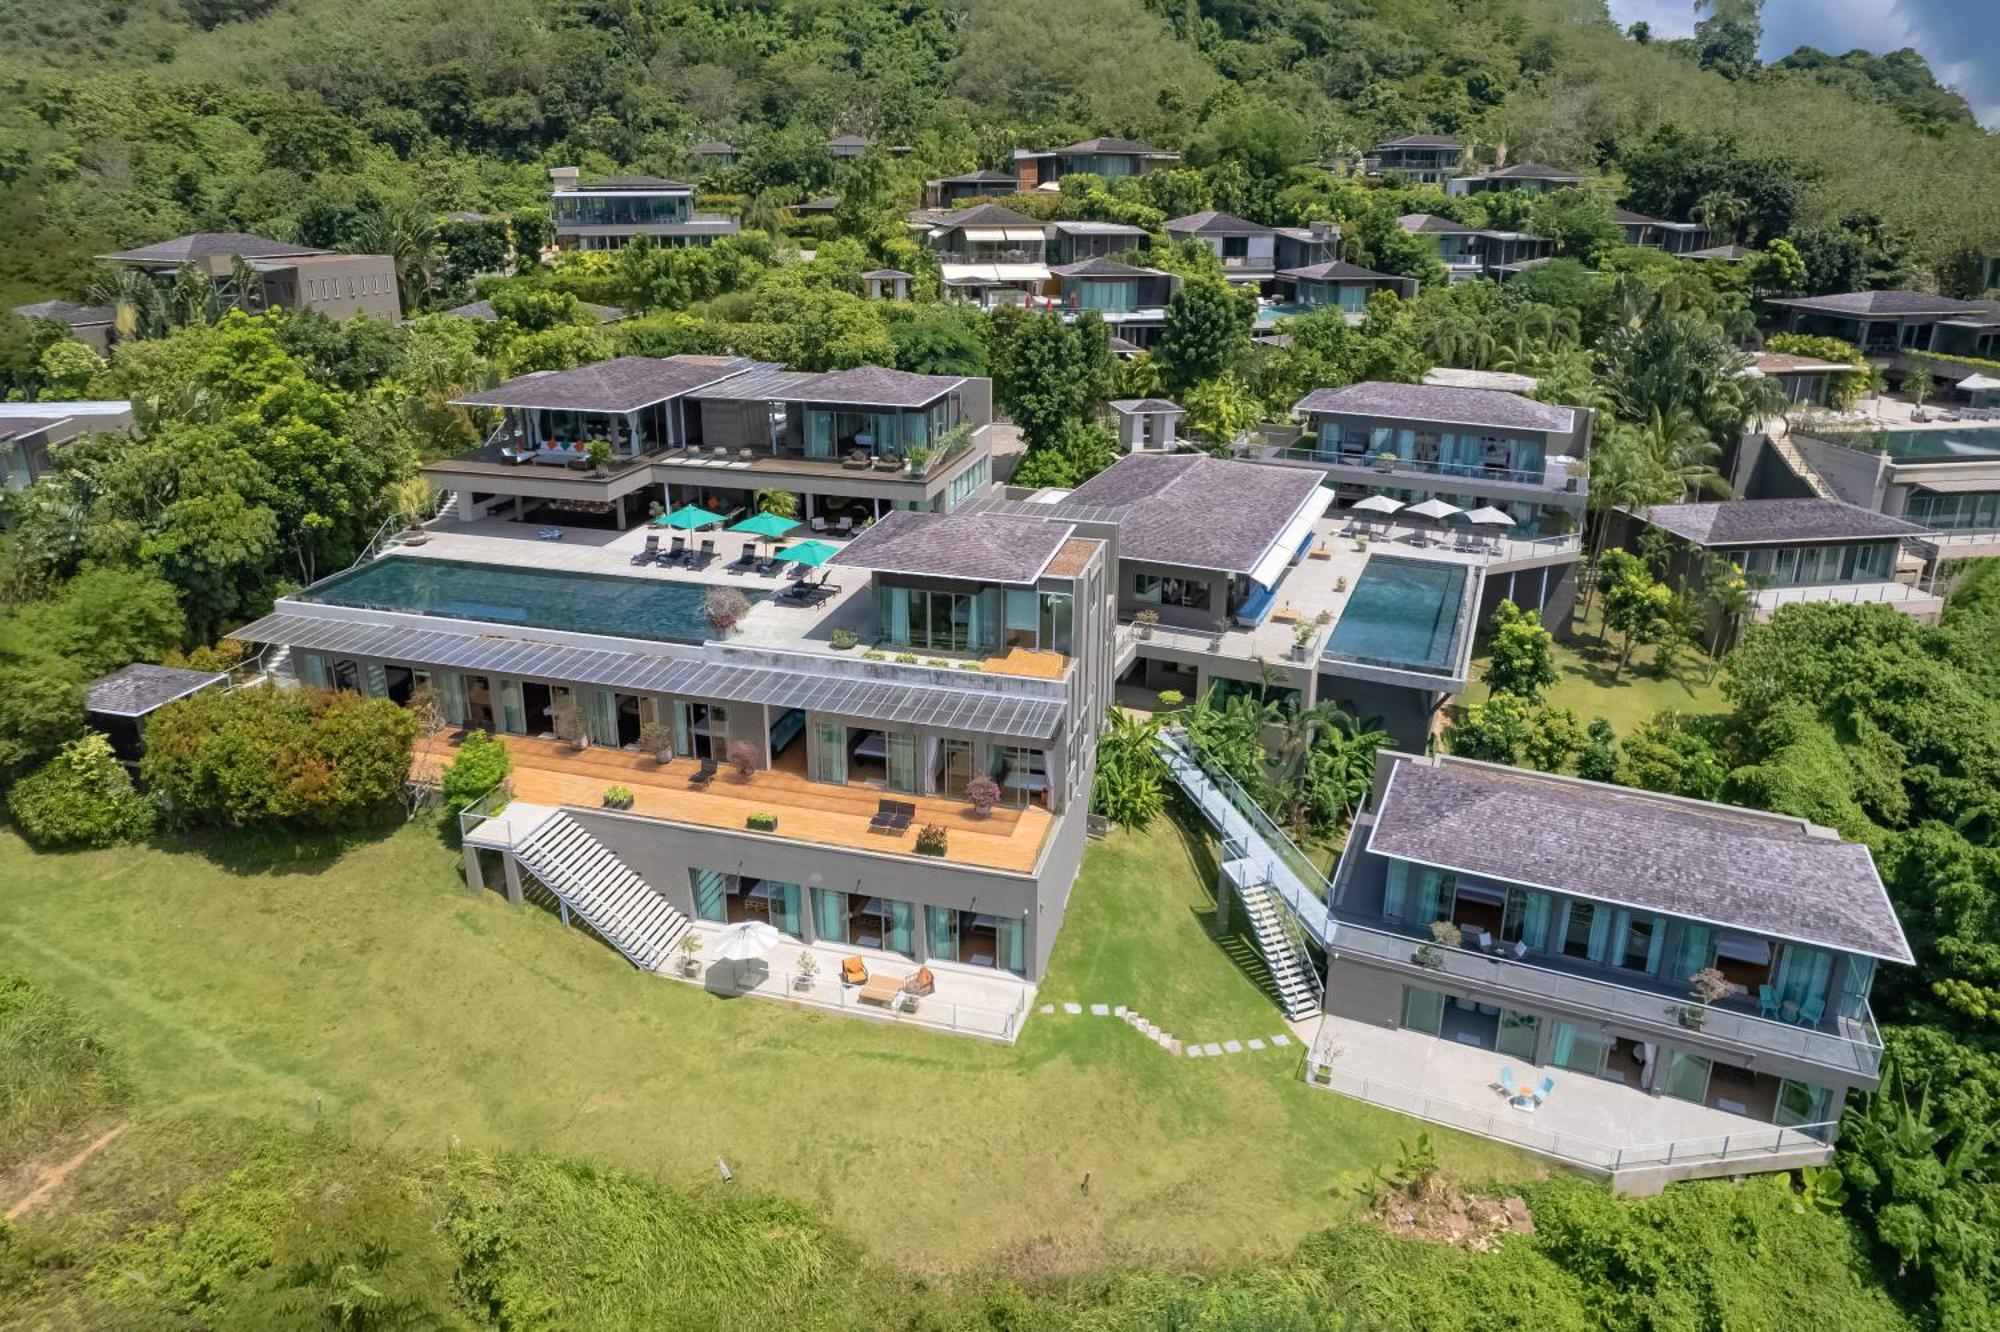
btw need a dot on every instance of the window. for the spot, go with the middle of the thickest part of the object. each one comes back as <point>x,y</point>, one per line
<point>1801,1103</point>
<point>1685,1077</point>
<point>1577,932</point>
<point>1153,589</point>
<point>1640,936</point>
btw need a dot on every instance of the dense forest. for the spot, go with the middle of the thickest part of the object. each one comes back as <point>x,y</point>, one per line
<point>271,447</point>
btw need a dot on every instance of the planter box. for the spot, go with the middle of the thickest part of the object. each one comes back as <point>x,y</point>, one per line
<point>755,824</point>
<point>930,850</point>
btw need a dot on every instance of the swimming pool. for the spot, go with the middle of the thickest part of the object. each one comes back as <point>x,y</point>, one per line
<point>1953,443</point>
<point>536,598</point>
<point>1403,614</point>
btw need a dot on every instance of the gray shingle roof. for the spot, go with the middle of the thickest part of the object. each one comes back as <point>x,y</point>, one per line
<point>66,312</point>
<point>211,245</point>
<point>977,547</point>
<point>1734,254</point>
<point>714,147</point>
<point>875,386</point>
<point>1079,227</point>
<point>1215,223</point>
<point>886,273</point>
<point>1532,171</point>
<point>1881,303</point>
<point>988,215</point>
<point>1135,406</point>
<point>136,690</point>
<point>1738,868</point>
<point>979,178</point>
<point>623,384</point>
<point>1193,510</point>
<point>1428,402</point>
<point>849,141</point>
<point>1105,268</point>
<point>1113,146</point>
<point>1776,522</point>
<point>1430,223</point>
<point>1422,141</point>
<point>1338,270</point>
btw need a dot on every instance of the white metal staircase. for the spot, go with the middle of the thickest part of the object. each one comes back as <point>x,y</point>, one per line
<point>593,883</point>
<point>1291,973</point>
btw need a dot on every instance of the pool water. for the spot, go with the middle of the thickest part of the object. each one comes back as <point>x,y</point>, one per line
<point>1403,613</point>
<point>1955,442</point>
<point>537,598</point>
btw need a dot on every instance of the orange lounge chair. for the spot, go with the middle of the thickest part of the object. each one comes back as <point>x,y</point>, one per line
<point>853,972</point>
<point>921,984</point>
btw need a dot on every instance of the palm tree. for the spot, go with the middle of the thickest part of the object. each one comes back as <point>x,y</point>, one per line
<point>1682,451</point>
<point>192,298</point>
<point>134,298</point>
<point>409,236</point>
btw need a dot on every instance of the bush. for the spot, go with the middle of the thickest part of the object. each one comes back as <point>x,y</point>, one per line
<point>743,757</point>
<point>481,764</point>
<point>931,840</point>
<point>842,639</point>
<point>81,797</point>
<point>762,822</point>
<point>53,1070</point>
<point>314,758</point>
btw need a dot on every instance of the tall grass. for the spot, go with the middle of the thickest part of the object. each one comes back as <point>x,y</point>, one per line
<point>54,1072</point>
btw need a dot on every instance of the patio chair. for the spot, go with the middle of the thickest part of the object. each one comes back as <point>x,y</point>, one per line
<point>817,523</point>
<point>853,971</point>
<point>703,775</point>
<point>1544,1089</point>
<point>905,814</point>
<point>747,558</point>
<point>769,568</point>
<point>652,550</point>
<point>676,553</point>
<point>844,527</point>
<point>1507,1082</point>
<point>921,984</point>
<point>1811,1011</point>
<point>1767,1001</point>
<point>703,557</point>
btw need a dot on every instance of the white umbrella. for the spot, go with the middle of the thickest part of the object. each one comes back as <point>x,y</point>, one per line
<point>1435,508</point>
<point>1490,517</point>
<point>746,942</point>
<point>1377,504</point>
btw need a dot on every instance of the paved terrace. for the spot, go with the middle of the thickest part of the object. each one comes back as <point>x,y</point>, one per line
<point>546,772</point>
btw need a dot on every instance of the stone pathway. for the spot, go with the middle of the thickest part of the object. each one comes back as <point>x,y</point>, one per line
<point>1166,1040</point>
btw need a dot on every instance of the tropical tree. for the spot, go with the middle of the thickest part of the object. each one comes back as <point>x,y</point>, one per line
<point>1522,656</point>
<point>1207,332</point>
<point>1131,774</point>
<point>408,234</point>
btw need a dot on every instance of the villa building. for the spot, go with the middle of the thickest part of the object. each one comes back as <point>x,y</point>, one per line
<point>955,191</point>
<point>1682,238</point>
<point>1074,242</point>
<point>1429,159</point>
<point>1132,300</point>
<point>276,275</point>
<point>610,214</point>
<point>1579,916</point>
<point>1041,169</point>
<point>1145,425</point>
<point>95,326</point>
<point>847,147</point>
<point>1796,550</point>
<point>850,445</point>
<point>1807,380</point>
<point>1532,176</point>
<point>718,153</point>
<point>809,766</point>
<point>1474,252</point>
<point>1248,252</point>
<point>31,433</point>
<point>1337,283</point>
<point>990,255</point>
<point>1898,323</point>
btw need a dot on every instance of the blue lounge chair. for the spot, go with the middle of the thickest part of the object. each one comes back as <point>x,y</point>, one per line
<point>652,550</point>
<point>1811,1012</point>
<point>1507,1083</point>
<point>1767,1001</point>
<point>1544,1088</point>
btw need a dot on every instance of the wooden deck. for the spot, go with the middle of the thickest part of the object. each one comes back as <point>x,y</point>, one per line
<point>550,773</point>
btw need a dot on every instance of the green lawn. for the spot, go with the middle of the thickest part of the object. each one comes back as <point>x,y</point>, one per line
<point>1591,687</point>
<point>370,990</point>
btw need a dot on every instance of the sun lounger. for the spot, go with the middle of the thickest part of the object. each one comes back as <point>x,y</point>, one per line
<point>703,775</point>
<point>676,553</point>
<point>703,557</point>
<point>651,552</point>
<point>747,558</point>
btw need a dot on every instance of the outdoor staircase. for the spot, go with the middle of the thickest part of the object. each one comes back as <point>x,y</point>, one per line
<point>593,883</point>
<point>1789,453</point>
<point>1291,972</point>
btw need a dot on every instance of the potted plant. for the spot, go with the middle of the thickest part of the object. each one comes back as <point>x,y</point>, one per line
<point>1302,638</point>
<point>569,729</point>
<point>931,840</point>
<point>907,658</point>
<point>743,758</point>
<point>690,954</point>
<point>1444,934</point>
<point>1704,987</point>
<point>1385,461</point>
<point>599,453</point>
<point>1171,699</point>
<point>842,639</point>
<point>807,969</point>
<point>658,741</point>
<point>761,822</point>
<point>1146,620</point>
<point>917,458</point>
<point>1340,583</point>
<point>617,797</point>
<point>982,793</point>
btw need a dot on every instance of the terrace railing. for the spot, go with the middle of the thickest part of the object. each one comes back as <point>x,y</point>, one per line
<point>1551,476</point>
<point>1853,594</point>
<point>1854,1050</point>
<point>486,807</point>
<point>1509,1125</point>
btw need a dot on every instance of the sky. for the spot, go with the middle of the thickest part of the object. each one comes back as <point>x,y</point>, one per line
<point>1960,38</point>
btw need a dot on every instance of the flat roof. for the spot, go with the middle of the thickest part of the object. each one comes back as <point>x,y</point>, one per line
<point>1421,141</point>
<point>875,696</point>
<point>622,384</point>
<point>67,312</point>
<point>1440,404</point>
<point>1076,228</point>
<point>1781,363</point>
<point>1773,522</point>
<point>141,688</point>
<point>1741,869</point>
<point>1530,171</point>
<point>1446,376</point>
<point>977,547</point>
<point>1193,510</point>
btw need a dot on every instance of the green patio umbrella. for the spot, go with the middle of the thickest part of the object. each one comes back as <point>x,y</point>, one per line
<point>768,525</point>
<point>690,516</point>
<point>812,554</point>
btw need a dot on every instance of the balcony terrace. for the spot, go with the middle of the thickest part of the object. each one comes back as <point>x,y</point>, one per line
<point>1559,475</point>
<point>549,773</point>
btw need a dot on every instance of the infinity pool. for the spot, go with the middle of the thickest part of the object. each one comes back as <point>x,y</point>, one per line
<point>537,598</point>
<point>1403,614</point>
<point>1953,443</point>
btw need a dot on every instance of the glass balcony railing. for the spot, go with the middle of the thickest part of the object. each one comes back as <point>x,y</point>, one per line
<point>1853,1048</point>
<point>1555,474</point>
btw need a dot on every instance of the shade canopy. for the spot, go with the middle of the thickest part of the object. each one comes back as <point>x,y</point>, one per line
<point>1435,508</point>
<point>771,525</point>
<point>1377,504</point>
<point>690,516</point>
<point>812,554</point>
<point>746,941</point>
<point>1488,516</point>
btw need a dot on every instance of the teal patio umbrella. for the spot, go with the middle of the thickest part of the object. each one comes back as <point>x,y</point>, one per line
<point>689,516</point>
<point>812,554</point>
<point>768,526</point>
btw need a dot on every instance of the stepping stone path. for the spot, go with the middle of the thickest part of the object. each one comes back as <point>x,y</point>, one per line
<point>1167,1041</point>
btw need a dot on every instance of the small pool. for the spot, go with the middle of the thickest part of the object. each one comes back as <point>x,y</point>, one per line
<point>1948,444</point>
<point>1403,614</point>
<point>536,598</point>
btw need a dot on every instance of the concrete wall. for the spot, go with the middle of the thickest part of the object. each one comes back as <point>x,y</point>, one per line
<point>1406,714</point>
<point>338,286</point>
<point>1857,477</point>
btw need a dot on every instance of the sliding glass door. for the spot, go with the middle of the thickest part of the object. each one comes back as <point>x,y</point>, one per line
<point>1423,1010</point>
<point>1518,1033</point>
<point>1580,1049</point>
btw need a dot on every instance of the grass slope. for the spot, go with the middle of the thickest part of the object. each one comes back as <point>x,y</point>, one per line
<point>1591,686</point>
<point>368,990</point>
